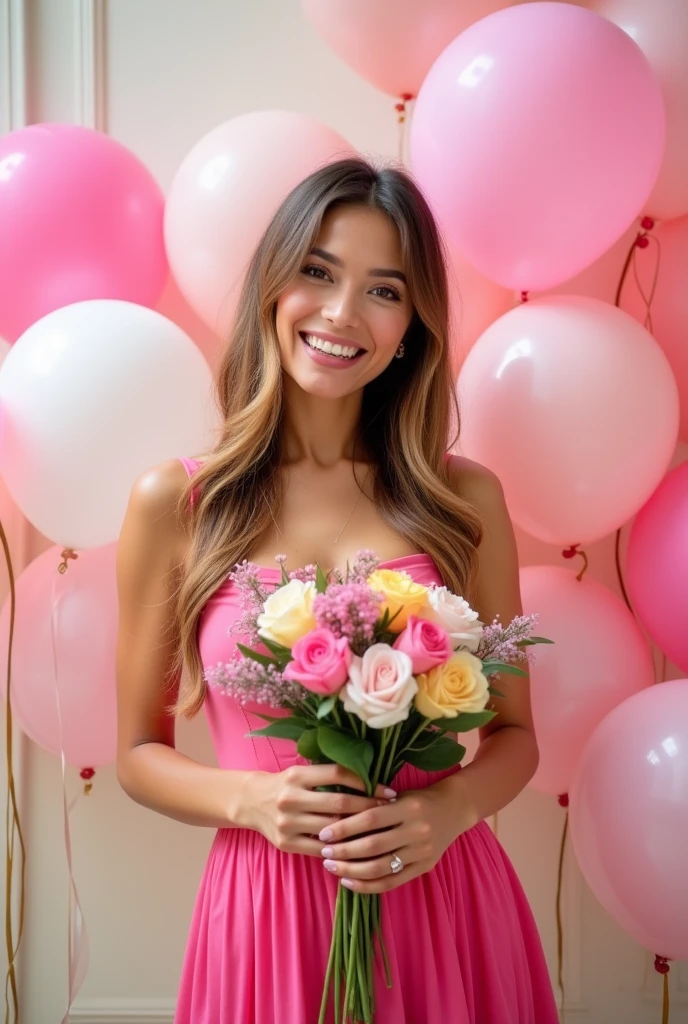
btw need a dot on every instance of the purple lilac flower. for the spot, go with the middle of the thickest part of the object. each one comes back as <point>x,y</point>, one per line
<point>365,563</point>
<point>252,595</point>
<point>349,610</point>
<point>500,643</point>
<point>248,681</point>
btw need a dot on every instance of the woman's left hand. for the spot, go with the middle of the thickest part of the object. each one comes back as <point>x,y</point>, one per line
<point>419,826</point>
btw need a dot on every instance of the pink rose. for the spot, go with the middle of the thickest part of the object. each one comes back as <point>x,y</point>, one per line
<point>426,644</point>
<point>381,687</point>
<point>320,661</point>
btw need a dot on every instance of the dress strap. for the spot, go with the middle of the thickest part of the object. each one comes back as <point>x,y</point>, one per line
<point>190,465</point>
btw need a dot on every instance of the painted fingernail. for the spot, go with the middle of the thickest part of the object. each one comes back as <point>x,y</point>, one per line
<point>347,883</point>
<point>327,851</point>
<point>326,835</point>
<point>390,794</point>
<point>330,865</point>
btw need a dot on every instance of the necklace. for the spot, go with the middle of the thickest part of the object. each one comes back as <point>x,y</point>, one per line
<point>346,521</point>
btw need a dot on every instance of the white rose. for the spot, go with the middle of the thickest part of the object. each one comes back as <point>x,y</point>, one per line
<point>455,615</point>
<point>381,686</point>
<point>288,613</point>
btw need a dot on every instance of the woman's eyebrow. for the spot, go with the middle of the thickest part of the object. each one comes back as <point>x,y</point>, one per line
<point>375,272</point>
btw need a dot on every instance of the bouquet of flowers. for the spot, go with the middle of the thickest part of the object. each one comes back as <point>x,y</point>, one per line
<point>371,670</point>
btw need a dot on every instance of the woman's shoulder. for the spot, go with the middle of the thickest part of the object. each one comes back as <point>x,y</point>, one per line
<point>474,482</point>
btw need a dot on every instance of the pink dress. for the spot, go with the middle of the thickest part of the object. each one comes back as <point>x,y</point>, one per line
<point>462,942</point>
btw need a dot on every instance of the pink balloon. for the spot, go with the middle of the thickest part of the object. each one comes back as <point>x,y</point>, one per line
<point>224,194</point>
<point>85,633</point>
<point>660,29</point>
<point>81,219</point>
<point>598,659</point>
<point>657,566</point>
<point>529,117</point>
<point>629,816</point>
<point>669,308</point>
<point>392,43</point>
<point>574,406</point>
<point>475,303</point>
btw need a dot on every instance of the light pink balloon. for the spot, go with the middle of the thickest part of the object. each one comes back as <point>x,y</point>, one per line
<point>657,566</point>
<point>598,659</point>
<point>574,406</point>
<point>537,136</point>
<point>669,306</point>
<point>224,194</point>
<point>660,28</point>
<point>629,817</point>
<point>475,303</point>
<point>81,218</point>
<point>393,43</point>
<point>86,631</point>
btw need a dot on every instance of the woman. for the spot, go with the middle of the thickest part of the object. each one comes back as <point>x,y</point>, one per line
<point>336,400</point>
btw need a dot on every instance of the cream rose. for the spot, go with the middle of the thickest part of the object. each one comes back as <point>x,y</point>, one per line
<point>381,686</point>
<point>453,688</point>
<point>288,613</point>
<point>401,594</point>
<point>455,615</point>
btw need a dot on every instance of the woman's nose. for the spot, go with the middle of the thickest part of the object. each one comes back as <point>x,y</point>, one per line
<point>342,307</point>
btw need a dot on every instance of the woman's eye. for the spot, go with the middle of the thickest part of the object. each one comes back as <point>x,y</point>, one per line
<point>392,292</point>
<point>312,270</point>
<point>319,270</point>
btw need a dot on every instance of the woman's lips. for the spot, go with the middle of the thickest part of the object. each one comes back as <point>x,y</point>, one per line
<point>324,359</point>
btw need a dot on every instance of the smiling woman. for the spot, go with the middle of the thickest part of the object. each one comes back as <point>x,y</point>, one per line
<point>336,396</point>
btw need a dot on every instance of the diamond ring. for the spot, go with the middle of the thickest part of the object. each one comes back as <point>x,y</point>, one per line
<point>396,865</point>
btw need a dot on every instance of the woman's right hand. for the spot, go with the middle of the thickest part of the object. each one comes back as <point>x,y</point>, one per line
<point>290,811</point>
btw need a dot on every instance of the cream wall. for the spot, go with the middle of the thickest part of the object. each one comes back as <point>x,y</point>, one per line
<point>157,74</point>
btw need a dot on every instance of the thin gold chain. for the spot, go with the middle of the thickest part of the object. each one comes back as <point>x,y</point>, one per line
<point>347,520</point>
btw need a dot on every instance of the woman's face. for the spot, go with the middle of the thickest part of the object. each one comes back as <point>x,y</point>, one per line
<point>340,321</point>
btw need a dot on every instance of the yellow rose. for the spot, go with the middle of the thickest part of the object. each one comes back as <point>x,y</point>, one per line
<point>288,613</point>
<point>401,594</point>
<point>453,688</point>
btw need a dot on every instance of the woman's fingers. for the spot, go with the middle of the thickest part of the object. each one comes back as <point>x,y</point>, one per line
<point>374,870</point>
<point>312,776</point>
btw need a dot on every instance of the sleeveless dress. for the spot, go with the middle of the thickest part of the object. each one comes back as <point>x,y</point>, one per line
<point>462,942</point>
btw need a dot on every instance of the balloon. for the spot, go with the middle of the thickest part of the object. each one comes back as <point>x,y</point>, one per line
<point>530,116</point>
<point>392,43</point>
<point>86,618</point>
<point>90,396</point>
<point>81,218</point>
<point>598,659</point>
<point>669,307</point>
<point>657,566</point>
<point>475,303</point>
<point>660,29</point>
<point>225,193</point>
<point>629,816</point>
<point>574,406</point>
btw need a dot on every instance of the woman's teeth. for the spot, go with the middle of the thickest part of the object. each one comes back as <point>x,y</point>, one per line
<point>343,351</point>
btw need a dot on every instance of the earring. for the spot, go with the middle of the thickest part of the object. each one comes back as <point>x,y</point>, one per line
<point>399,354</point>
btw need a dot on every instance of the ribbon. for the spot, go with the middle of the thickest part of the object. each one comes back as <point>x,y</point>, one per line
<point>77,936</point>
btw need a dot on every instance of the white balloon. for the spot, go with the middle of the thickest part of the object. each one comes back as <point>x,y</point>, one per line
<point>91,396</point>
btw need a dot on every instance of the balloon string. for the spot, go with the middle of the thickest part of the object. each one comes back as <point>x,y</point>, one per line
<point>402,121</point>
<point>13,829</point>
<point>662,967</point>
<point>564,802</point>
<point>575,549</point>
<point>77,937</point>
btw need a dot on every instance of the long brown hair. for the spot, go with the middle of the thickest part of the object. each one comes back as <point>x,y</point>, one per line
<point>407,414</point>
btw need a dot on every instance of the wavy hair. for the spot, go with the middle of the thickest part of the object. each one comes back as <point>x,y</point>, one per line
<point>408,411</point>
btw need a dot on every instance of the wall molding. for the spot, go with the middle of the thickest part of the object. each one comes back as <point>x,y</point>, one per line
<point>12,65</point>
<point>90,64</point>
<point>122,1011</point>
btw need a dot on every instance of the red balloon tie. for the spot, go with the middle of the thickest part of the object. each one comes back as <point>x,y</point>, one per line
<point>662,967</point>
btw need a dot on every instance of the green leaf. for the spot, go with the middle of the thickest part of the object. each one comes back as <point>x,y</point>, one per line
<point>465,722</point>
<point>495,693</point>
<point>307,745</point>
<point>492,667</point>
<point>346,750</point>
<point>262,659</point>
<point>540,640</point>
<point>444,753</point>
<point>325,707</point>
<point>278,649</point>
<point>285,574</point>
<point>283,728</point>
<point>320,581</point>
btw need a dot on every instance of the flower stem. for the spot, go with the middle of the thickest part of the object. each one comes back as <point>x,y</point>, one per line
<point>331,961</point>
<point>387,777</point>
